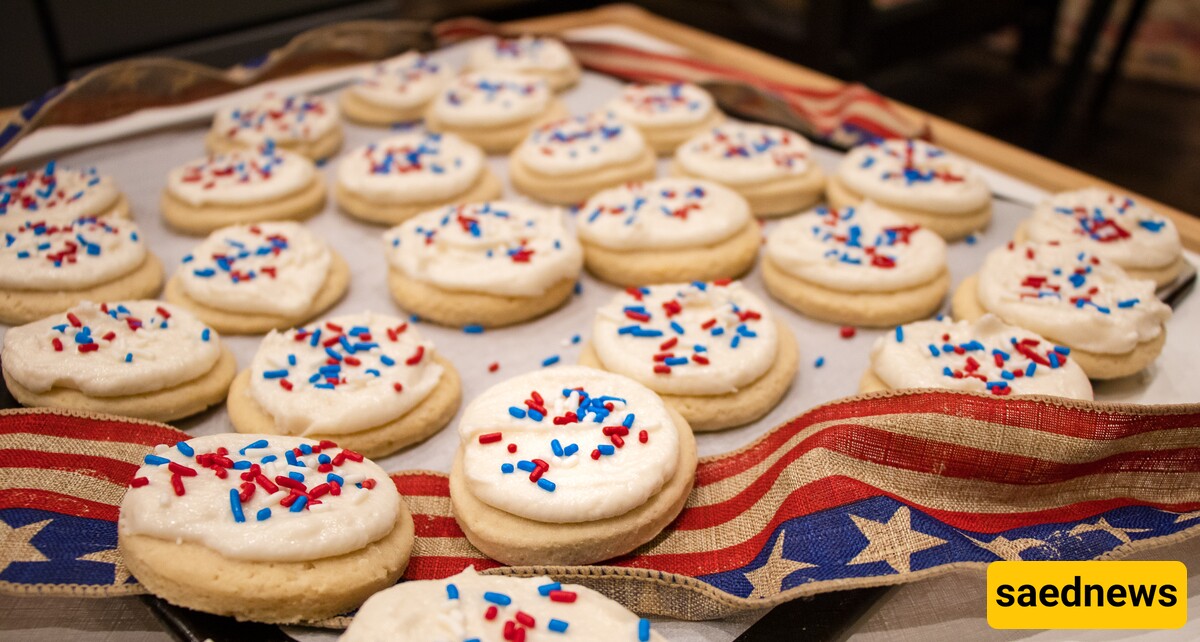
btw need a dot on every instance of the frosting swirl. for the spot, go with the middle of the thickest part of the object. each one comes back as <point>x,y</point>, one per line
<point>412,167</point>
<point>109,350</point>
<point>663,213</point>
<point>580,144</point>
<point>739,153</point>
<point>527,53</point>
<point>75,256</point>
<point>240,177</point>
<point>469,606</point>
<point>687,339</point>
<point>348,374</point>
<point>915,174</point>
<point>407,81</point>
<point>503,248</point>
<point>284,119</point>
<point>857,249</point>
<point>261,498</point>
<point>569,449</point>
<point>1068,295</point>
<point>1113,226</point>
<point>985,356</point>
<point>264,268</point>
<point>662,105</point>
<point>53,195</point>
<point>491,99</point>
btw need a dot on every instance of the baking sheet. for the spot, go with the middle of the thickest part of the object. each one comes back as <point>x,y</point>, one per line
<point>139,165</point>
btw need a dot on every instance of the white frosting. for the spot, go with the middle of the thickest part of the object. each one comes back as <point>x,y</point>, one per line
<point>139,349</point>
<point>1068,295</point>
<point>740,153</point>
<point>985,356</point>
<point>687,339</point>
<point>527,53</point>
<point>412,167</point>
<point>78,255</point>
<point>914,174</point>
<point>242,177</point>
<point>501,248</point>
<point>856,249</point>
<point>666,105</point>
<point>266,268</point>
<point>407,81</point>
<point>53,195</point>
<point>663,213</point>
<point>573,487</point>
<point>491,99</point>
<point>456,609</point>
<point>1113,226</point>
<point>580,144</point>
<point>275,525</point>
<point>383,369</point>
<point>284,119</point>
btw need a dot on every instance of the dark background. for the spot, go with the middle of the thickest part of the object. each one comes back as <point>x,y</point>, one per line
<point>1000,66</point>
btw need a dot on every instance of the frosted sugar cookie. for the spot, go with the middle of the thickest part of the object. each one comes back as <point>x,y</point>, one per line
<point>856,266</point>
<point>366,381</point>
<point>143,359</point>
<point>396,90</point>
<point>666,231</point>
<point>47,267</point>
<point>307,125</point>
<point>487,607</point>
<point>252,185</point>
<point>986,355</point>
<point>410,172</point>
<point>542,453</point>
<point>770,166</point>
<point>713,351</point>
<point>263,527</point>
<point>491,264</point>
<point>922,183</point>
<point>666,114</point>
<point>537,55</point>
<point>1112,226</point>
<point>248,279</point>
<point>566,161</point>
<point>493,109</point>
<point>1112,325</point>
<point>57,195</point>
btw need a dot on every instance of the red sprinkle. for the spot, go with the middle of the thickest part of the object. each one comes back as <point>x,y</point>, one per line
<point>89,347</point>
<point>138,482</point>
<point>162,312</point>
<point>57,344</point>
<point>494,366</point>
<point>180,469</point>
<point>285,384</point>
<point>512,448</point>
<point>417,356</point>
<point>490,438</point>
<point>177,484</point>
<point>643,436</point>
<point>563,596</point>
<point>490,613</point>
<point>662,369</point>
<point>847,331</point>
<point>74,320</point>
<point>525,619</point>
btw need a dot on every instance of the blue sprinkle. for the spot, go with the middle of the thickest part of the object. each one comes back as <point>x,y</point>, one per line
<point>545,484</point>
<point>242,464</point>
<point>556,625</point>
<point>451,591</point>
<point>291,458</point>
<point>682,361</point>
<point>1053,357</point>
<point>716,332</point>
<point>473,329</point>
<point>291,359</point>
<point>205,334</point>
<point>575,339</point>
<point>556,447</point>
<point>1063,350</point>
<point>306,449</point>
<point>331,477</point>
<point>1128,303</point>
<point>296,476</point>
<point>185,448</point>
<point>545,589</point>
<point>1006,375</point>
<point>535,415</point>
<point>549,361</point>
<point>128,357</point>
<point>235,505</point>
<point>155,460</point>
<point>333,354</point>
<point>386,360</point>
<point>947,371</point>
<point>323,459</point>
<point>527,465</point>
<point>299,505</point>
<point>274,374</point>
<point>971,239</point>
<point>571,449</point>
<point>899,334</point>
<point>628,423</point>
<point>699,348</point>
<point>506,468</point>
<point>819,362</point>
<point>676,327</point>
<point>933,350</point>
<point>497,598</point>
<point>1031,369</point>
<point>268,459</point>
<point>606,449</point>
<point>516,412</point>
<point>643,630</point>
<point>263,514</point>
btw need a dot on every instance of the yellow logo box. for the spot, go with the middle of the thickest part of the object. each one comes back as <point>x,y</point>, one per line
<point>1086,595</point>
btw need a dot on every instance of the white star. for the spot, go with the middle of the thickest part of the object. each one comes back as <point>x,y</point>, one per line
<point>15,543</point>
<point>1187,517</point>
<point>110,556</point>
<point>893,541</point>
<point>767,579</point>
<point>1007,549</point>
<point>1103,525</point>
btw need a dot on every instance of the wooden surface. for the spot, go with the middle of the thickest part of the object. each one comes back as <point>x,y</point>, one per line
<point>1002,156</point>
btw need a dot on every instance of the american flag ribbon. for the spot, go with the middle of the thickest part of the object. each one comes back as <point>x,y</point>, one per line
<point>873,490</point>
<point>845,116</point>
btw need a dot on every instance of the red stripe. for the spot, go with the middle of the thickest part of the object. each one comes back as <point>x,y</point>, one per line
<point>422,484</point>
<point>436,526</point>
<point>89,429</point>
<point>106,468</point>
<point>838,491</point>
<point>432,567</point>
<point>56,503</point>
